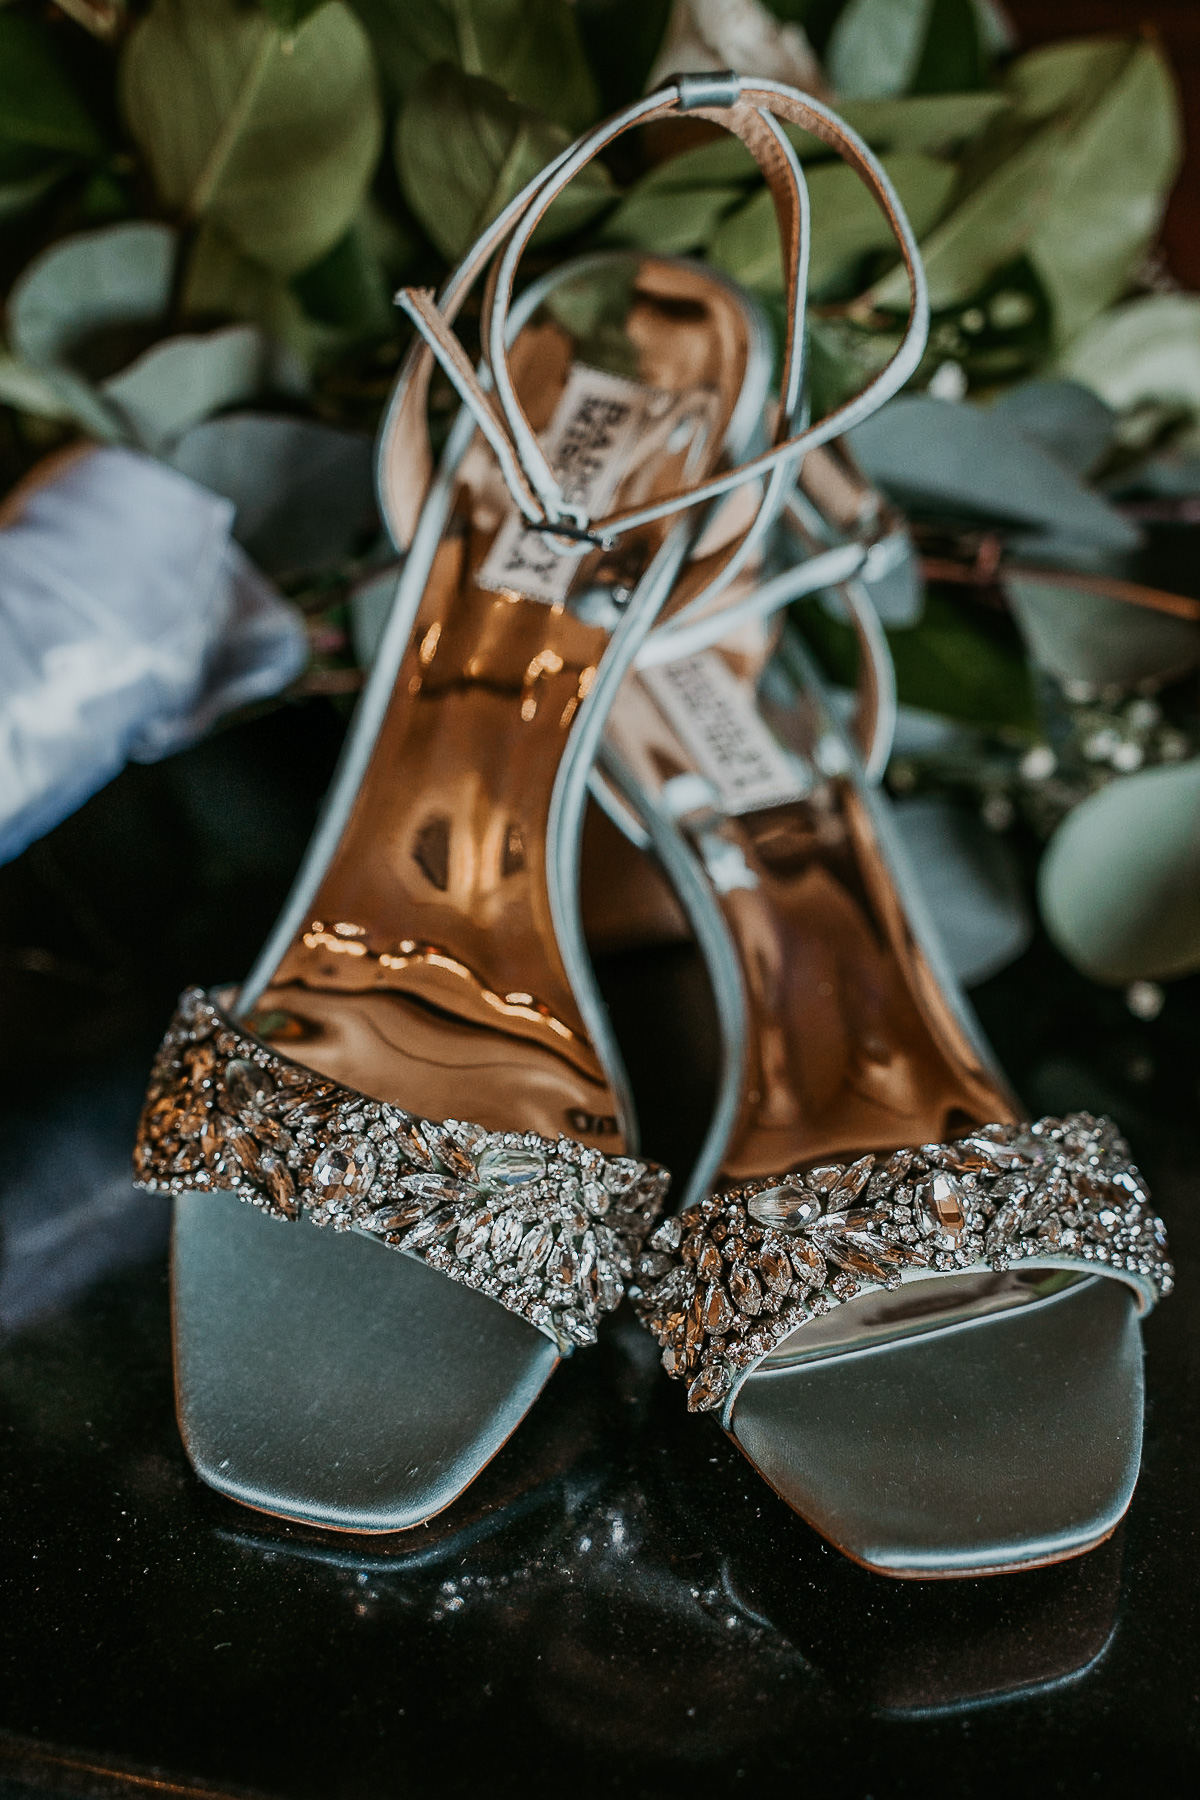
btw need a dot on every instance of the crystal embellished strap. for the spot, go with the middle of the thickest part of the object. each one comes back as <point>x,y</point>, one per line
<point>724,1283</point>
<point>548,1227</point>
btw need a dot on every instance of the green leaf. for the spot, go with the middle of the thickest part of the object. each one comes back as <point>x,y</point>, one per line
<point>303,491</point>
<point>39,103</point>
<point>1119,884</point>
<point>348,288</point>
<point>984,232</point>
<point>113,283</point>
<point>1067,419</point>
<point>959,461</point>
<point>949,663</point>
<point>288,14</point>
<point>1077,635</point>
<point>52,393</point>
<point>1111,181</point>
<point>272,141</point>
<point>672,221</point>
<point>463,149</point>
<point>953,57</point>
<point>847,223</point>
<point>939,123</point>
<point>186,379</point>
<point>221,281</point>
<point>530,48</point>
<point>875,47</point>
<point>1145,352</point>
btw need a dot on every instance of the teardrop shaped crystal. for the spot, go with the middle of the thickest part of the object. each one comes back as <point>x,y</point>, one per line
<point>710,1387</point>
<point>775,1271</point>
<point>786,1208</point>
<point>535,1247</point>
<point>510,1165</point>
<point>808,1263</point>
<point>246,1084</point>
<point>507,1233</point>
<point>717,1315</point>
<point>743,1286</point>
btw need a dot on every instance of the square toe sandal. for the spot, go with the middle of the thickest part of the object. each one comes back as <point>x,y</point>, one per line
<point>913,1309</point>
<point>420,1059</point>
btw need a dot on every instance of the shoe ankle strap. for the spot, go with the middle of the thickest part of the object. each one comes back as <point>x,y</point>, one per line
<point>750,109</point>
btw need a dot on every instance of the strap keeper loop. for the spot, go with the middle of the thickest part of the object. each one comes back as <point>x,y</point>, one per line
<point>712,87</point>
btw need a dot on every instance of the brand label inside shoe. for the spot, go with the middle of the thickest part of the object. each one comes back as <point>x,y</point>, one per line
<point>715,718</point>
<point>598,425</point>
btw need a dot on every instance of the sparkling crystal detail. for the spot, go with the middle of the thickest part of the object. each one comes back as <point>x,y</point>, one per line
<point>775,1271</point>
<point>343,1170</point>
<point>785,1208</point>
<point>535,1247</point>
<point>247,1085</point>
<point>621,1173</point>
<point>710,1387</point>
<point>709,1264</point>
<point>744,1289</point>
<point>474,1233</point>
<point>717,1315</point>
<point>667,1235</point>
<point>507,1233</point>
<point>507,1166</point>
<point>808,1263</point>
<point>277,1179</point>
<point>944,1202</point>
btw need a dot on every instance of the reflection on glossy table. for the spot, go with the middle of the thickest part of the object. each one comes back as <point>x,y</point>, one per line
<point>619,1605</point>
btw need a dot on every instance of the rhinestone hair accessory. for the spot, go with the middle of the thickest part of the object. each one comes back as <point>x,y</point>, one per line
<point>724,1283</point>
<point>547,1227</point>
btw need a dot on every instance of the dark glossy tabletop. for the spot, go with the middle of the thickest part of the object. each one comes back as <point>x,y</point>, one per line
<point>619,1605</point>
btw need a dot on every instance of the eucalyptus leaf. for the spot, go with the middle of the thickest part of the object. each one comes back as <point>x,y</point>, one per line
<point>1081,635</point>
<point>1119,883</point>
<point>1068,420</point>
<point>971,884</point>
<point>530,48</point>
<point>55,393</point>
<point>1147,351</point>
<point>19,194</point>
<point>186,379</point>
<point>938,123</point>
<point>92,282</point>
<point>1059,78</point>
<point>960,460</point>
<point>875,47</point>
<point>272,141</point>
<point>464,149</point>
<point>39,104</point>
<point>1112,176</point>
<point>847,223</point>
<point>303,491</point>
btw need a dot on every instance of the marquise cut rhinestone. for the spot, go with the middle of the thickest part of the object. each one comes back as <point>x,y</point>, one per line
<point>548,1227</point>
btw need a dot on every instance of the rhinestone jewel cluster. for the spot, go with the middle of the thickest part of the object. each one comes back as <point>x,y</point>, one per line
<point>548,1227</point>
<point>723,1283</point>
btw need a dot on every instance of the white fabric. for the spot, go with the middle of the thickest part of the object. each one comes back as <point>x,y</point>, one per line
<point>129,621</point>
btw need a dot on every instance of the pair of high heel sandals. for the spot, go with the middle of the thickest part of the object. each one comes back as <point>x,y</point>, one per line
<point>913,1310</point>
